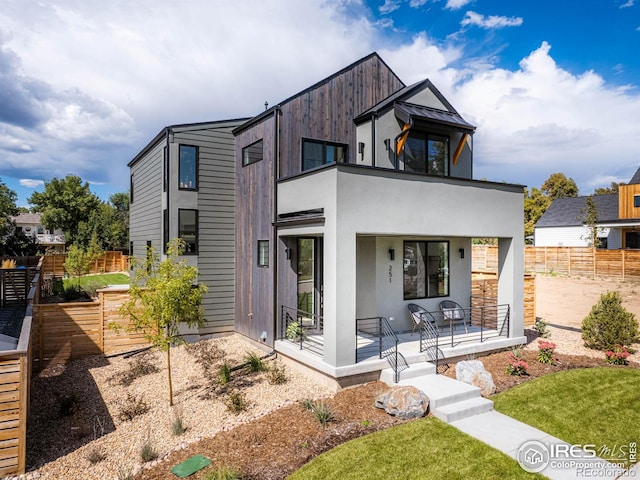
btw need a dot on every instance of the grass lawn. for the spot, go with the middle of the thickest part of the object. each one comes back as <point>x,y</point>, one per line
<point>427,448</point>
<point>597,406</point>
<point>98,281</point>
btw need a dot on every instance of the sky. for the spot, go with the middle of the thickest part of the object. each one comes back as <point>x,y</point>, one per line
<point>552,86</point>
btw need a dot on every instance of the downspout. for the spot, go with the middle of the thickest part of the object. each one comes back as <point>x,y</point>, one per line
<point>276,140</point>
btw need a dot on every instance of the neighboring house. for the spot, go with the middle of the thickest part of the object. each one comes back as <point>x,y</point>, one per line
<point>333,225</point>
<point>618,226</point>
<point>182,185</point>
<point>31,226</point>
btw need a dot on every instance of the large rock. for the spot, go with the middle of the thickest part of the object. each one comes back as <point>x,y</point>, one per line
<point>474,373</point>
<point>403,402</point>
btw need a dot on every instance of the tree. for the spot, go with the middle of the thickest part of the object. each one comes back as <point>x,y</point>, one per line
<point>162,296</point>
<point>615,186</point>
<point>64,204</point>
<point>109,222</point>
<point>591,221</point>
<point>7,209</point>
<point>80,260</point>
<point>559,186</point>
<point>535,204</point>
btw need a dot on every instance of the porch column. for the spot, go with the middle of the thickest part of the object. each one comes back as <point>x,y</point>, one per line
<point>340,298</point>
<point>511,281</point>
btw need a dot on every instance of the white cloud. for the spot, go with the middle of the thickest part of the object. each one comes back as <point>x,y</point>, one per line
<point>491,21</point>
<point>389,6</point>
<point>627,4</point>
<point>30,183</point>
<point>456,4</point>
<point>417,3</point>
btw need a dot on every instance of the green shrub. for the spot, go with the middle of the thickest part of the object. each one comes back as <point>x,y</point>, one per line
<point>323,413</point>
<point>147,452</point>
<point>254,362</point>
<point>609,324</point>
<point>277,374</point>
<point>237,401</point>
<point>224,374</point>
<point>223,473</point>
<point>295,332</point>
<point>177,427</point>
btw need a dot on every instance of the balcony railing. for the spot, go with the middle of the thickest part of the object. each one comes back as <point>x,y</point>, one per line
<point>50,238</point>
<point>302,328</point>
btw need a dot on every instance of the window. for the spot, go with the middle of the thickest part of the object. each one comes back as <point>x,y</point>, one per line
<point>426,153</point>
<point>165,229</point>
<point>263,253</point>
<point>131,182</point>
<point>426,269</point>
<point>188,230</point>
<point>188,168</point>
<point>165,166</point>
<point>636,201</point>
<point>149,256</point>
<point>253,153</point>
<point>315,153</point>
<point>131,249</point>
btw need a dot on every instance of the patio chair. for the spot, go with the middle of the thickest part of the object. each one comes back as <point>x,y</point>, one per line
<point>454,313</point>
<point>419,315</point>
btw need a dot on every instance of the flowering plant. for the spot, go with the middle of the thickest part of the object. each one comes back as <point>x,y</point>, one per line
<point>517,366</point>
<point>545,351</point>
<point>617,356</point>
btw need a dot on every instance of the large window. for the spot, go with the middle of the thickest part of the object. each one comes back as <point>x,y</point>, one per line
<point>131,184</point>
<point>188,230</point>
<point>165,229</point>
<point>252,153</point>
<point>426,153</point>
<point>316,153</point>
<point>188,168</point>
<point>165,167</point>
<point>426,269</point>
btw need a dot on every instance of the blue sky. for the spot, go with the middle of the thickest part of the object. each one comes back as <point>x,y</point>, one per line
<point>85,84</point>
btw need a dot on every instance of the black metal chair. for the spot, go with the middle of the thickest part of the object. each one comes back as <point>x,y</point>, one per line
<point>419,315</point>
<point>454,313</point>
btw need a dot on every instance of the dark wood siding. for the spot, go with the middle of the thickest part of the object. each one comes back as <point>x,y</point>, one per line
<point>254,216</point>
<point>327,111</point>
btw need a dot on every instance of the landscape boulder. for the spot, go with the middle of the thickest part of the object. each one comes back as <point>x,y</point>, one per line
<point>403,402</point>
<point>474,373</point>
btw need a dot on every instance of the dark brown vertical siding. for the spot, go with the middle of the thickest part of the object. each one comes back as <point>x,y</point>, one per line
<point>254,217</point>
<point>327,111</point>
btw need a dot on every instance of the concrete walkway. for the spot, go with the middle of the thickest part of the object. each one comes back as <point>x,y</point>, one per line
<point>461,405</point>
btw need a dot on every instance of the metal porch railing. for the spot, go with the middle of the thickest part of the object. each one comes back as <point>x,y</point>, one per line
<point>302,328</point>
<point>375,337</point>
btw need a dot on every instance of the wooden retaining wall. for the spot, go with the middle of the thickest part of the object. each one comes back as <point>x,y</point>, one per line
<point>110,262</point>
<point>579,261</point>
<point>484,292</point>
<point>64,331</point>
<point>15,374</point>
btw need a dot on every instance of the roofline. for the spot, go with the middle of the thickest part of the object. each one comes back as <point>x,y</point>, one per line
<point>258,118</point>
<point>411,89</point>
<point>468,129</point>
<point>183,127</point>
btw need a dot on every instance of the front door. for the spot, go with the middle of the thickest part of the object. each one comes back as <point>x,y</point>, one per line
<point>310,278</point>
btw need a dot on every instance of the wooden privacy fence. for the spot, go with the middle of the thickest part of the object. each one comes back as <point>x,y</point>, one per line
<point>110,262</point>
<point>63,331</point>
<point>484,293</point>
<point>15,284</point>
<point>624,264</point>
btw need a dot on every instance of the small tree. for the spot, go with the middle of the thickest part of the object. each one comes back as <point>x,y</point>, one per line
<point>79,260</point>
<point>609,324</point>
<point>590,221</point>
<point>164,295</point>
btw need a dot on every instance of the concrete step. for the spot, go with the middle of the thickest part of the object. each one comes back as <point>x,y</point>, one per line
<point>443,390</point>
<point>415,370</point>
<point>463,409</point>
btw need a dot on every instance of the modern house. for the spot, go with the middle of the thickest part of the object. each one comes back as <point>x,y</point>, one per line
<point>31,225</point>
<point>182,184</point>
<point>353,198</point>
<point>618,225</point>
